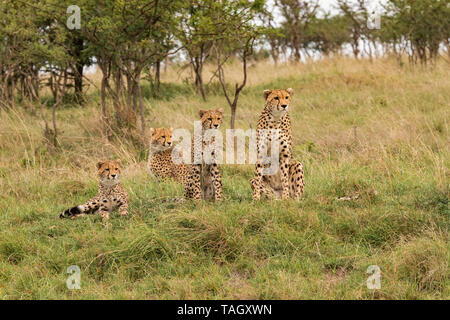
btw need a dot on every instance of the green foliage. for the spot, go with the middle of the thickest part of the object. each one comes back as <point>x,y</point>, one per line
<point>420,25</point>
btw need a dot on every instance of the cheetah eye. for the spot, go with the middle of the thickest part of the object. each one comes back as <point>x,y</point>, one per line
<point>107,169</point>
<point>210,119</point>
<point>117,169</point>
<point>163,137</point>
<point>276,98</point>
<point>287,97</point>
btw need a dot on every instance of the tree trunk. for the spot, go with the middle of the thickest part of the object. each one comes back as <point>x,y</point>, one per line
<point>104,116</point>
<point>166,63</point>
<point>157,75</point>
<point>141,107</point>
<point>118,90</point>
<point>233,115</point>
<point>78,72</point>
<point>13,89</point>
<point>198,68</point>
<point>238,87</point>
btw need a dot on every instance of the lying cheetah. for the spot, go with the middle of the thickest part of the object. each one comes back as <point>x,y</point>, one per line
<point>205,180</point>
<point>288,181</point>
<point>160,161</point>
<point>111,194</point>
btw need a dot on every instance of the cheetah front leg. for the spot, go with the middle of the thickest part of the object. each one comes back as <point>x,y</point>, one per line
<point>285,179</point>
<point>285,159</point>
<point>296,178</point>
<point>262,144</point>
<point>217,182</point>
<point>105,208</point>
<point>187,189</point>
<point>188,184</point>
<point>265,190</point>
<point>122,203</point>
<point>123,209</point>
<point>192,188</point>
<point>256,181</point>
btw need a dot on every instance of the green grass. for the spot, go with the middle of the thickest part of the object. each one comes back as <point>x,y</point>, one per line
<point>360,129</point>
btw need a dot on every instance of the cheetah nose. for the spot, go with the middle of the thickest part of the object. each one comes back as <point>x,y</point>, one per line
<point>113,175</point>
<point>284,106</point>
<point>216,125</point>
<point>169,143</point>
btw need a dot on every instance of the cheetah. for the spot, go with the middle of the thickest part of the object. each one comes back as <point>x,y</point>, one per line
<point>205,180</point>
<point>111,194</point>
<point>288,181</point>
<point>160,161</point>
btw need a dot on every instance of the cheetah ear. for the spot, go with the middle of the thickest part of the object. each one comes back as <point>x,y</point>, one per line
<point>171,129</point>
<point>118,161</point>
<point>220,110</point>
<point>201,113</point>
<point>99,164</point>
<point>266,93</point>
<point>290,91</point>
<point>152,130</point>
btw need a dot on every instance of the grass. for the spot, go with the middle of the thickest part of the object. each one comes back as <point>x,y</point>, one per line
<point>360,128</point>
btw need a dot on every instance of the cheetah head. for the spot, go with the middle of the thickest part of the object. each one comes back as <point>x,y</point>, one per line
<point>161,139</point>
<point>109,172</point>
<point>211,119</point>
<point>278,101</point>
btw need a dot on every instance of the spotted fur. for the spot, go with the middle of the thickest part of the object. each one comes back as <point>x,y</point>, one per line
<point>160,161</point>
<point>111,194</point>
<point>205,180</point>
<point>289,179</point>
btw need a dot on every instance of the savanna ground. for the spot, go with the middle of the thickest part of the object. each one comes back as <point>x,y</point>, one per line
<point>363,129</point>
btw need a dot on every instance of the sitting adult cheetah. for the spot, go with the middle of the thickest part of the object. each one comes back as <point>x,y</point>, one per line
<point>160,161</point>
<point>111,194</point>
<point>288,181</point>
<point>205,180</point>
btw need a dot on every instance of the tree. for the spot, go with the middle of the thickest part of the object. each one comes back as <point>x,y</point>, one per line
<point>327,35</point>
<point>126,37</point>
<point>197,33</point>
<point>356,16</point>
<point>273,35</point>
<point>238,34</point>
<point>422,25</point>
<point>297,16</point>
<point>33,43</point>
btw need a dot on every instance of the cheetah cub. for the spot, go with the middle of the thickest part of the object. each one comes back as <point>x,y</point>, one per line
<point>160,162</point>
<point>111,194</point>
<point>205,180</point>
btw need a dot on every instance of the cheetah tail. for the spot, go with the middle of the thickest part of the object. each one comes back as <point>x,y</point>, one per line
<point>71,212</point>
<point>78,210</point>
<point>173,200</point>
